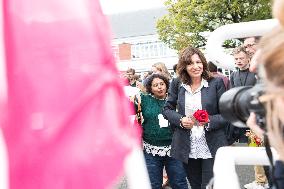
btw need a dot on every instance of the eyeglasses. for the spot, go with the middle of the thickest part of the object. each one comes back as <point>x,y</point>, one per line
<point>249,45</point>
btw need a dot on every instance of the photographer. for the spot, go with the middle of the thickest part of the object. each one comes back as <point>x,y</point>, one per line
<point>271,58</point>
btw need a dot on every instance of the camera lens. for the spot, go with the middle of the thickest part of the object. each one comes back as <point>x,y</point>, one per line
<point>234,104</point>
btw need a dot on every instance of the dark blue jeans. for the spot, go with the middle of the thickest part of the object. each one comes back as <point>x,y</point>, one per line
<point>199,172</point>
<point>174,169</point>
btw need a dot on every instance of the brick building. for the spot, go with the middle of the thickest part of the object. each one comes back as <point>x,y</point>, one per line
<point>136,43</point>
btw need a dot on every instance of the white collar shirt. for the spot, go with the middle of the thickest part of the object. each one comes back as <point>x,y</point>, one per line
<point>198,144</point>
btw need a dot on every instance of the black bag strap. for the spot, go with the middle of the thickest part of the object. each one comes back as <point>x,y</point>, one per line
<point>270,157</point>
<point>137,100</point>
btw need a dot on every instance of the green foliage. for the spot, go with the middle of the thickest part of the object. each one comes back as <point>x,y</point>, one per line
<point>188,20</point>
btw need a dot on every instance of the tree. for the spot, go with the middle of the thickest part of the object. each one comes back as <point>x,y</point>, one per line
<point>188,20</point>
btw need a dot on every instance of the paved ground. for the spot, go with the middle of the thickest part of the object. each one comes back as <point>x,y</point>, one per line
<point>245,173</point>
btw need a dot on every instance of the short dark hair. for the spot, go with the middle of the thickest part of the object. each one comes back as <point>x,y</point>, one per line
<point>185,59</point>
<point>175,67</point>
<point>150,80</point>
<point>212,67</point>
<point>130,70</point>
<point>257,38</point>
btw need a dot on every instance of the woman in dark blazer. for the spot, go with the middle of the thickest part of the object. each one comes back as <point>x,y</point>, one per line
<point>193,143</point>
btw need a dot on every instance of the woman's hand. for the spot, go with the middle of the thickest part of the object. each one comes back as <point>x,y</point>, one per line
<point>251,123</point>
<point>187,122</point>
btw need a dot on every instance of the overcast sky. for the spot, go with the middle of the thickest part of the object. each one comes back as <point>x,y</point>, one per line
<point>117,6</point>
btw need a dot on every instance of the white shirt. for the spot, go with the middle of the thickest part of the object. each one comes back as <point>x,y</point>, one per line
<point>131,91</point>
<point>198,144</point>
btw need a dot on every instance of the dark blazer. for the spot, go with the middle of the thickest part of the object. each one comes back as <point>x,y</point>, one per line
<point>242,78</point>
<point>215,135</point>
<point>278,173</point>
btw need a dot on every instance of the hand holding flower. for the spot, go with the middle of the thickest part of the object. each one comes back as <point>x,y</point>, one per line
<point>187,122</point>
<point>254,140</point>
<point>201,117</point>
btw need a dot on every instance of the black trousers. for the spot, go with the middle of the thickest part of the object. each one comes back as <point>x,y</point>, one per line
<point>199,172</point>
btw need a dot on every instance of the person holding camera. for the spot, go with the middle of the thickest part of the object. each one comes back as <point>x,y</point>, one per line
<point>271,58</point>
<point>195,142</point>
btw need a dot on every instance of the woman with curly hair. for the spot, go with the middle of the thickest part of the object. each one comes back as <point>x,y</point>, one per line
<point>157,136</point>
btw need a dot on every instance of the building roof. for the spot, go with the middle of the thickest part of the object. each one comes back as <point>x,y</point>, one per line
<point>138,23</point>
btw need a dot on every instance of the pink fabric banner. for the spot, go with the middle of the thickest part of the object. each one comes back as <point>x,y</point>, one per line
<point>67,117</point>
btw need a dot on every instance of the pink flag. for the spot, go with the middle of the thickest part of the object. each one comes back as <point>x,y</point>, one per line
<point>67,118</point>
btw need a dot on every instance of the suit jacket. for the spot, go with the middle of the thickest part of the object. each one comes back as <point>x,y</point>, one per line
<point>242,78</point>
<point>174,110</point>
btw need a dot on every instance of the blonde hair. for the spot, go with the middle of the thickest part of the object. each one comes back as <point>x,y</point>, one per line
<point>272,48</point>
<point>278,10</point>
<point>272,56</point>
<point>161,67</point>
<point>239,49</point>
<point>272,59</point>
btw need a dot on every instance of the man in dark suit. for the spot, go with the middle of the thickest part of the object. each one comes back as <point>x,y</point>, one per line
<point>241,77</point>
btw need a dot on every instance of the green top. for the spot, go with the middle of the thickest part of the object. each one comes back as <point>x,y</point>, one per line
<point>151,107</point>
<point>133,84</point>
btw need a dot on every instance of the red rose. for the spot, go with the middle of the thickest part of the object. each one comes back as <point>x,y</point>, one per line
<point>201,116</point>
<point>257,141</point>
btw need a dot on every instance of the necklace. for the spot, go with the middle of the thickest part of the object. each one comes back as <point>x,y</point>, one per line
<point>159,98</point>
<point>159,102</point>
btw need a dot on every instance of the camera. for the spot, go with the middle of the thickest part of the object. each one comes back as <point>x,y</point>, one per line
<point>236,104</point>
